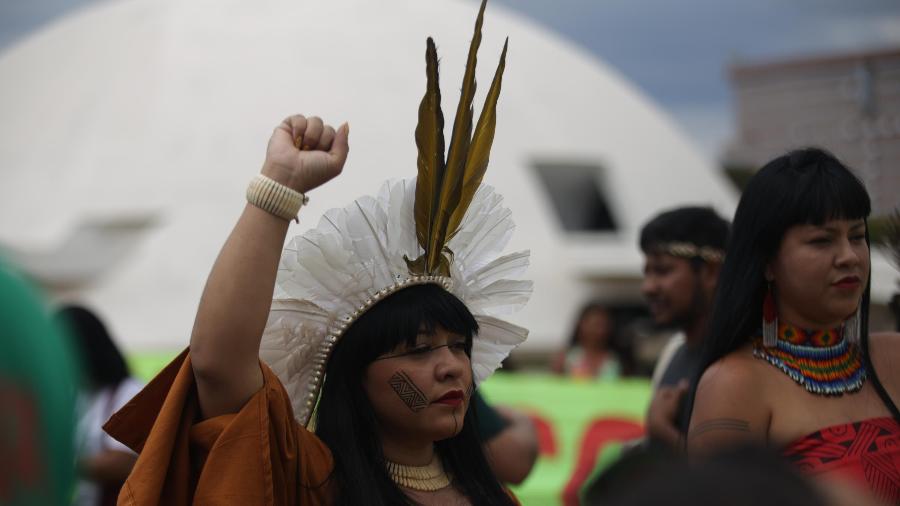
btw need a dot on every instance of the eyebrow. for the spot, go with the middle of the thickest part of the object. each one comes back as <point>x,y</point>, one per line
<point>855,226</point>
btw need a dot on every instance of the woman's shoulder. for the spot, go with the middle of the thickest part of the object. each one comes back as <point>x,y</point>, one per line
<point>884,347</point>
<point>735,381</point>
<point>884,352</point>
<point>730,406</point>
<point>736,370</point>
<point>884,341</point>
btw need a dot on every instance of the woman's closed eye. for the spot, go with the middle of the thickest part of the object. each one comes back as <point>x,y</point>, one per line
<point>459,346</point>
<point>419,350</point>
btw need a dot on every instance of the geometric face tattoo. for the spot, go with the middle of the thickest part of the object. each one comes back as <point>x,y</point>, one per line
<point>408,392</point>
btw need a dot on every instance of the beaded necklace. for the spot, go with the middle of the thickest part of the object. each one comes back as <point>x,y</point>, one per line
<point>426,478</point>
<point>821,361</point>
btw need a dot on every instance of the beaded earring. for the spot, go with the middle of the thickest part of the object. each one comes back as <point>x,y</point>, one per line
<point>770,319</point>
<point>850,329</point>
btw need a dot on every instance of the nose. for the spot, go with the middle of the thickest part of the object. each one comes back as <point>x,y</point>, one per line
<point>449,365</point>
<point>847,254</point>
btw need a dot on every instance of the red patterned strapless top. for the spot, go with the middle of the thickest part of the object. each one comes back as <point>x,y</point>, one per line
<point>867,452</point>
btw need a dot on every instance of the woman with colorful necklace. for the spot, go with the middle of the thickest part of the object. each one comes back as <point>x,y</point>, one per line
<point>789,361</point>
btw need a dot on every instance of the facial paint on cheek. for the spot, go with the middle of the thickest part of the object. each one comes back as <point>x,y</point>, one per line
<point>408,392</point>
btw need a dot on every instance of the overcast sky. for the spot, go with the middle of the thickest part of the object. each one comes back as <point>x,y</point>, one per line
<point>676,51</point>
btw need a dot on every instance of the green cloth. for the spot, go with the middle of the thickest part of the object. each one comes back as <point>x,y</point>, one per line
<point>37,394</point>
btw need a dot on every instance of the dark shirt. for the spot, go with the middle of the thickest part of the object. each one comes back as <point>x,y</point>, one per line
<point>684,364</point>
<point>490,423</point>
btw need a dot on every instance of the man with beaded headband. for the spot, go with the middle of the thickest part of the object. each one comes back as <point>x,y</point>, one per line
<point>385,318</point>
<point>683,250</point>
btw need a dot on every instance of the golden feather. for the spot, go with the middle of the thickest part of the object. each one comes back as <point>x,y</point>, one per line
<point>444,191</point>
<point>451,189</point>
<point>480,148</point>
<point>431,168</point>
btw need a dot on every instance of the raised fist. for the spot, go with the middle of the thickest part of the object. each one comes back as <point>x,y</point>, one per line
<point>304,153</point>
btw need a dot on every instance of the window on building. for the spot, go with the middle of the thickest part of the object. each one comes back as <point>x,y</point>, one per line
<point>577,192</point>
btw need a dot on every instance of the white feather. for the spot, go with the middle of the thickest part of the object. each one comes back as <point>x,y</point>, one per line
<point>327,274</point>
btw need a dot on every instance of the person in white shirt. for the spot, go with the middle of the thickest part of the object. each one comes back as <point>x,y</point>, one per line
<point>102,462</point>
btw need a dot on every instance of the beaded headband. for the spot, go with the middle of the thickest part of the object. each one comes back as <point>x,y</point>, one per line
<point>690,250</point>
<point>445,228</point>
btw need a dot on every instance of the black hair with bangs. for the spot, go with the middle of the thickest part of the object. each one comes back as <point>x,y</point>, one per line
<point>808,186</point>
<point>345,419</point>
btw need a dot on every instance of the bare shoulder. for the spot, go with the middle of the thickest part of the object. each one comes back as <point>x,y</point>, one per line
<point>730,405</point>
<point>885,342</point>
<point>734,374</point>
<point>884,350</point>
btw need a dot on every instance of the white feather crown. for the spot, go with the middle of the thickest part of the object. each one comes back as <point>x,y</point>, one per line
<point>332,274</point>
<point>444,227</point>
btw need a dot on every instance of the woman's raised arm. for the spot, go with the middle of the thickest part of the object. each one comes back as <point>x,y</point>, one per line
<point>235,303</point>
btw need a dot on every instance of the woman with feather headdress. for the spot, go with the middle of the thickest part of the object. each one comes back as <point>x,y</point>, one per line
<point>384,320</point>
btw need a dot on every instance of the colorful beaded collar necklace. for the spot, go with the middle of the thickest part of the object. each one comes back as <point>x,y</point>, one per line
<point>821,361</point>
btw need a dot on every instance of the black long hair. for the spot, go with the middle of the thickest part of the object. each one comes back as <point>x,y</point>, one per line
<point>345,420</point>
<point>102,363</point>
<point>808,186</point>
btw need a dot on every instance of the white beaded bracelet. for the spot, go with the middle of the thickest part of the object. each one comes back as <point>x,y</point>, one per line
<point>275,198</point>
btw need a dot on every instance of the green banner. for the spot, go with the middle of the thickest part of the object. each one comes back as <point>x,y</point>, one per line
<point>576,421</point>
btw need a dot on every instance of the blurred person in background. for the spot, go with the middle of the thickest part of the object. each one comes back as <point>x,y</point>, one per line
<point>588,354</point>
<point>510,440</point>
<point>102,462</point>
<point>37,399</point>
<point>789,361</point>
<point>683,251</point>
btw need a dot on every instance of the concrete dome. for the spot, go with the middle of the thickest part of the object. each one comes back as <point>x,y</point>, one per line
<point>132,128</point>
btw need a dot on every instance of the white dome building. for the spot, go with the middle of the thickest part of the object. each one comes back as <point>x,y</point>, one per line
<point>130,129</point>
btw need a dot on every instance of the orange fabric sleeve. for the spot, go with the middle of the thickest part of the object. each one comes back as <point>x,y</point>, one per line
<point>258,456</point>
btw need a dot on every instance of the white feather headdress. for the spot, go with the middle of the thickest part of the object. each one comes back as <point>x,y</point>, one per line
<point>444,227</point>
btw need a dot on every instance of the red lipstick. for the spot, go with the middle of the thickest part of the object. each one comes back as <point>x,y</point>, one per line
<point>451,398</point>
<point>847,283</point>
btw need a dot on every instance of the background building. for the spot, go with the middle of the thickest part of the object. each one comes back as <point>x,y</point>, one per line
<point>847,103</point>
<point>130,130</point>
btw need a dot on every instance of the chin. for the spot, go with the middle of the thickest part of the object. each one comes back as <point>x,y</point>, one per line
<point>450,434</point>
<point>447,430</point>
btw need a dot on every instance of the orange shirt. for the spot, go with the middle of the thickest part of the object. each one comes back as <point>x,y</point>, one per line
<point>258,456</point>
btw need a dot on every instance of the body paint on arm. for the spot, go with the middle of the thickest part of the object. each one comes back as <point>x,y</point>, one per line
<point>408,392</point>
<point>720,424</point>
